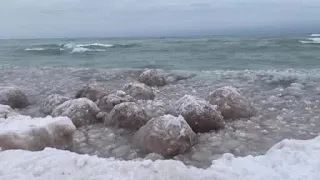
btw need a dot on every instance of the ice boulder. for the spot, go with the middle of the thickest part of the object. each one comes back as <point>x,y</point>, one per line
<point>200,115</point>
<point>6,111</point>
<point>231,103</point>
<point>23,132</point>
<point>153,108</point>
<point>13,97</point>
<point>109,101</point>
<point>166,135</point>
<point>152,77</point>
<point>92,92</point>
<point>51,102</point>
<point>127,115</point>
<point>81,111</point>
<point>139,91</point>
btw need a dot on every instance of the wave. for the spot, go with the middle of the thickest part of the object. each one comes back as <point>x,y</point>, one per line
<point>315,39</point>
<point>48,51</point>
<point>315,35</point>
<point>95,45</point>
<point>35,49</point>
<point>83,49</point>
<point>75,48</point>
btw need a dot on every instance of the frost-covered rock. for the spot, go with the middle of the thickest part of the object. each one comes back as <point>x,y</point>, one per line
<point>200,115</point>
<point>153,108</point>
<point>109,101</point>
<point>13,97</point>
<point>6,111</point>
<point>51,102</point>
<point>231,103</point>
<point>139,91</point>
<point>23,132</point>
<point>92,92</point>
<point>166,135</point>
<point>81,111</point>
<point>152,77</point>
<point>127,115</point>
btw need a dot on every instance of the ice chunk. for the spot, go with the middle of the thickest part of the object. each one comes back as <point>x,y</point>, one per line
<point>153,77</point>
<point>24,132</point>
<point>109,101</point>
<point>200,115</point>
<point>127,115</point>
<point>166,135</point>
<point>13,97</point>
<point>6,111</point>
<point>92,92</point>
<point>81,111</point>
<point>51,102</point>
<point>231,103</point>
<point>139,91</point>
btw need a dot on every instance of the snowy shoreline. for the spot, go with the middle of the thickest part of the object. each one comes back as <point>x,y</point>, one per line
<point>287,160</point>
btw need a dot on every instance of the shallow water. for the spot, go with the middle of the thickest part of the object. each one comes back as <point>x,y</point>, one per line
<point>285,91</point>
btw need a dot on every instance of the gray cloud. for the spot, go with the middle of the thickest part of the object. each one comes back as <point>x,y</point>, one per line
<point>56,18</point>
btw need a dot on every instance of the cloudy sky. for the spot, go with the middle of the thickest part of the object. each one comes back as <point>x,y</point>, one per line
<point>77,18</point>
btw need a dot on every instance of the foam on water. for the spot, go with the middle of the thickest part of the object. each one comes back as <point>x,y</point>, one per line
<point>95,44</point>
<point>83,49</point>
<point>315,39</point>
<point>35,49</point>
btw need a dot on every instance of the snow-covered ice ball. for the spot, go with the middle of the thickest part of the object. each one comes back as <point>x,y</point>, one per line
<point>152,77</point>
<point>166,135</point>
<point>200,115</point>
<point>109,101</point>
<point>153,108</point>
<point>92,92</point>
<point>127,115</point>
<point>139,91</point>
<point>231,103</point>
<point>81,111</point>
<point>13,97</point>
<point>51,102</point>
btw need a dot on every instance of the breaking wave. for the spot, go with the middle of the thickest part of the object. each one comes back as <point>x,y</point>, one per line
<point>315,35</point>
<point>75,48</point>
<point>83,49</point>
<point>313,39</point>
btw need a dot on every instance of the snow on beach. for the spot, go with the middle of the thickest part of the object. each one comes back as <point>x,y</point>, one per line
<point>287,160</point>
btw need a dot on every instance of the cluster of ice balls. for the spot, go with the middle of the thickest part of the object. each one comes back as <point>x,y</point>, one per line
<point>157,127</point>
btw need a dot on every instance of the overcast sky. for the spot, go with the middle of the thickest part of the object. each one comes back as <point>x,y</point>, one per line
<point>76,18</point>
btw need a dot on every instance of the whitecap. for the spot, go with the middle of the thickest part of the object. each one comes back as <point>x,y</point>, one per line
<point>311,41</point>
<point>35,49</point>
<point>79,50</point>
<point>315,35</point>
<point>82,49</point>
<point>69,45</point>
<point>95,44</point>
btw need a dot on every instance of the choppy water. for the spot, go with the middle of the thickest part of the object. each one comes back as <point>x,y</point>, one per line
<point>209,53</point>
<point>279,75</point>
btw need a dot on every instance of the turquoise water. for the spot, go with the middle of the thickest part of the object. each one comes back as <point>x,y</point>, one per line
<point>207,53</point>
